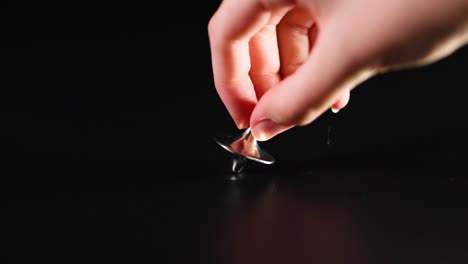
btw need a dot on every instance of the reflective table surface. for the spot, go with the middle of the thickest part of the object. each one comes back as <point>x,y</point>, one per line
<point>280,214</point>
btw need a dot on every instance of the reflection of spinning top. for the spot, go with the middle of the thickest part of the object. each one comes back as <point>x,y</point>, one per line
<point>245,147</point>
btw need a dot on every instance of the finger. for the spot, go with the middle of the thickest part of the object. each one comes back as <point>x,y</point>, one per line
<point>308,92</point>
<point>230,30</point>
<point>294,39</point>
<point>264,55</point>
<point>341,103</point>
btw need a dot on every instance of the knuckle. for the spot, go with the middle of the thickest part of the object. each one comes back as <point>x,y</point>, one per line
<point>211,26</point>
<point>214,25</point>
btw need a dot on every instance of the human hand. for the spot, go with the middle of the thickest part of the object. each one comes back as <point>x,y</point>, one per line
<point>282,63</point>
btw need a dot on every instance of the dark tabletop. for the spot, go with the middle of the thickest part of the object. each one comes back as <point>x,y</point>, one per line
<point>283,215</point>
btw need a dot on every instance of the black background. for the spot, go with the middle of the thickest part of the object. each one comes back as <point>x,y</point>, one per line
<point>118,104</point>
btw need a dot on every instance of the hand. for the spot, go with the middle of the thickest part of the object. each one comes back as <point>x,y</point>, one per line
<point>282,63</point>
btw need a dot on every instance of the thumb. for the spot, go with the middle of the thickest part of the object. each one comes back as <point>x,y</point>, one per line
<point>316,85</point>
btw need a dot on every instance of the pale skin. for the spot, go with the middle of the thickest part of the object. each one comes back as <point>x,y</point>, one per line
<point>278,64</point>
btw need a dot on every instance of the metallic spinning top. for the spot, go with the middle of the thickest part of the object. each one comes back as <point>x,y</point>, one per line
<point>244,147</point>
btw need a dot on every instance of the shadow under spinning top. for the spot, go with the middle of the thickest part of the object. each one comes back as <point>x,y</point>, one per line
<point>244,148</point>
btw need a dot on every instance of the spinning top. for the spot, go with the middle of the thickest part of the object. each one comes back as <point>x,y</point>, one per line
<point>244,147</point>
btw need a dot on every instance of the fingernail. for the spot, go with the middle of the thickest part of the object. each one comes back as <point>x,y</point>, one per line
<point>266,129</point>
<point>242,124</point>
<point>335,110</point>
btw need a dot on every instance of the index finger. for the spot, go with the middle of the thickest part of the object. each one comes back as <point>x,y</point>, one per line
<point>230,30</point>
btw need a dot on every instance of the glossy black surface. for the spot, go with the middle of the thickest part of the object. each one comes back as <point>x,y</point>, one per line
<point>285,215</point>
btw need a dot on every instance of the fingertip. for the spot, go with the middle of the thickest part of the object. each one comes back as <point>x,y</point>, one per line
<point>267,129</point>
<point>341,102</point>
<point>241,124</point>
